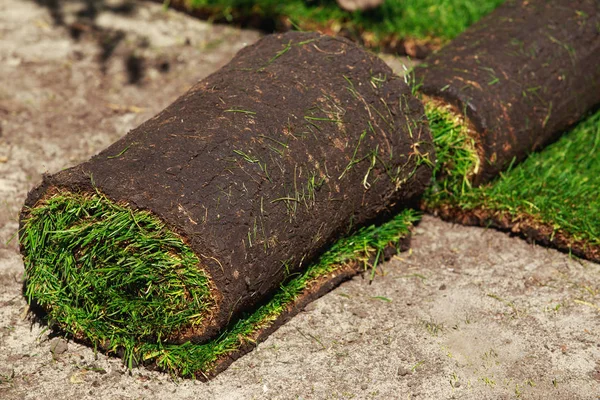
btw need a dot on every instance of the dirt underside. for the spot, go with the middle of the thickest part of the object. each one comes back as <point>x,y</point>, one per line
<point>471,313</point>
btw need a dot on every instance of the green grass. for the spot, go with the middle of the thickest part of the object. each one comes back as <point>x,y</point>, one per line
<point>554,191</point>
<point>420,19</point>
<point>457,159</point>
<point>557,187</point>
<point>108,274</point>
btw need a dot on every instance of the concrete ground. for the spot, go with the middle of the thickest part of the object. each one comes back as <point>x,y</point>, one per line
<point>468,313</point>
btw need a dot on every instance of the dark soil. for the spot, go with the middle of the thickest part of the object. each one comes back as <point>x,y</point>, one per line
<point>299,140</point>
<point>523,74</point>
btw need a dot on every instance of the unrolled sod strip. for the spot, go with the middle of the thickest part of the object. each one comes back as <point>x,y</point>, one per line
<point>414,28</point>
<point>521,76</point>
<point>551,198</point>
<point>198,215</point>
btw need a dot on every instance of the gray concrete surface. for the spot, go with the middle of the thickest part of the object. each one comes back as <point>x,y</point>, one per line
<point>468,313</point>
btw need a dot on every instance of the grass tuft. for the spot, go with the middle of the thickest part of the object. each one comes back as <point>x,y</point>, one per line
<point>456,153</point>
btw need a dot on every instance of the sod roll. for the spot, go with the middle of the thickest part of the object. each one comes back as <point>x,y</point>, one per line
<point>521,76</point>
<point>201,213</point>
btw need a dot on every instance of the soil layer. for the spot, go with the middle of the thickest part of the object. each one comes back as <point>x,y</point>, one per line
<point>300,139</point>
<point>522,74</point>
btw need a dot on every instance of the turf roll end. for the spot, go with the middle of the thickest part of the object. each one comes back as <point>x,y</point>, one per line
<point>108,274</point>
<point>458,150</point>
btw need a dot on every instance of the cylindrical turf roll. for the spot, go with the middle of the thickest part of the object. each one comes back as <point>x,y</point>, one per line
<point>203,211</point>
<point>521,75</point>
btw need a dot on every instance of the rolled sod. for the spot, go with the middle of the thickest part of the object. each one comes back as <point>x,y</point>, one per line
<point>508,86</point>
<point>200,215</point>
<point>521,76</point>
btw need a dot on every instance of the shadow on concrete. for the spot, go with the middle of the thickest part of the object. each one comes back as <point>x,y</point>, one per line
<point>79,18</point>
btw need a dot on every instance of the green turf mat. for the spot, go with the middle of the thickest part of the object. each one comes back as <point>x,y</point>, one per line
<point>552,197</point>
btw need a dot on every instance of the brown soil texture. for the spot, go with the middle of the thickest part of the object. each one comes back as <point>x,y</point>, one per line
<point>469,313</point>
<point>252,164</point>
<point>522,74</point>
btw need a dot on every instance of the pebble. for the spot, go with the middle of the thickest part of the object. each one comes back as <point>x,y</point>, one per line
<point>58,346</point>
<point>360,313</point>
<point>310,307</point>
